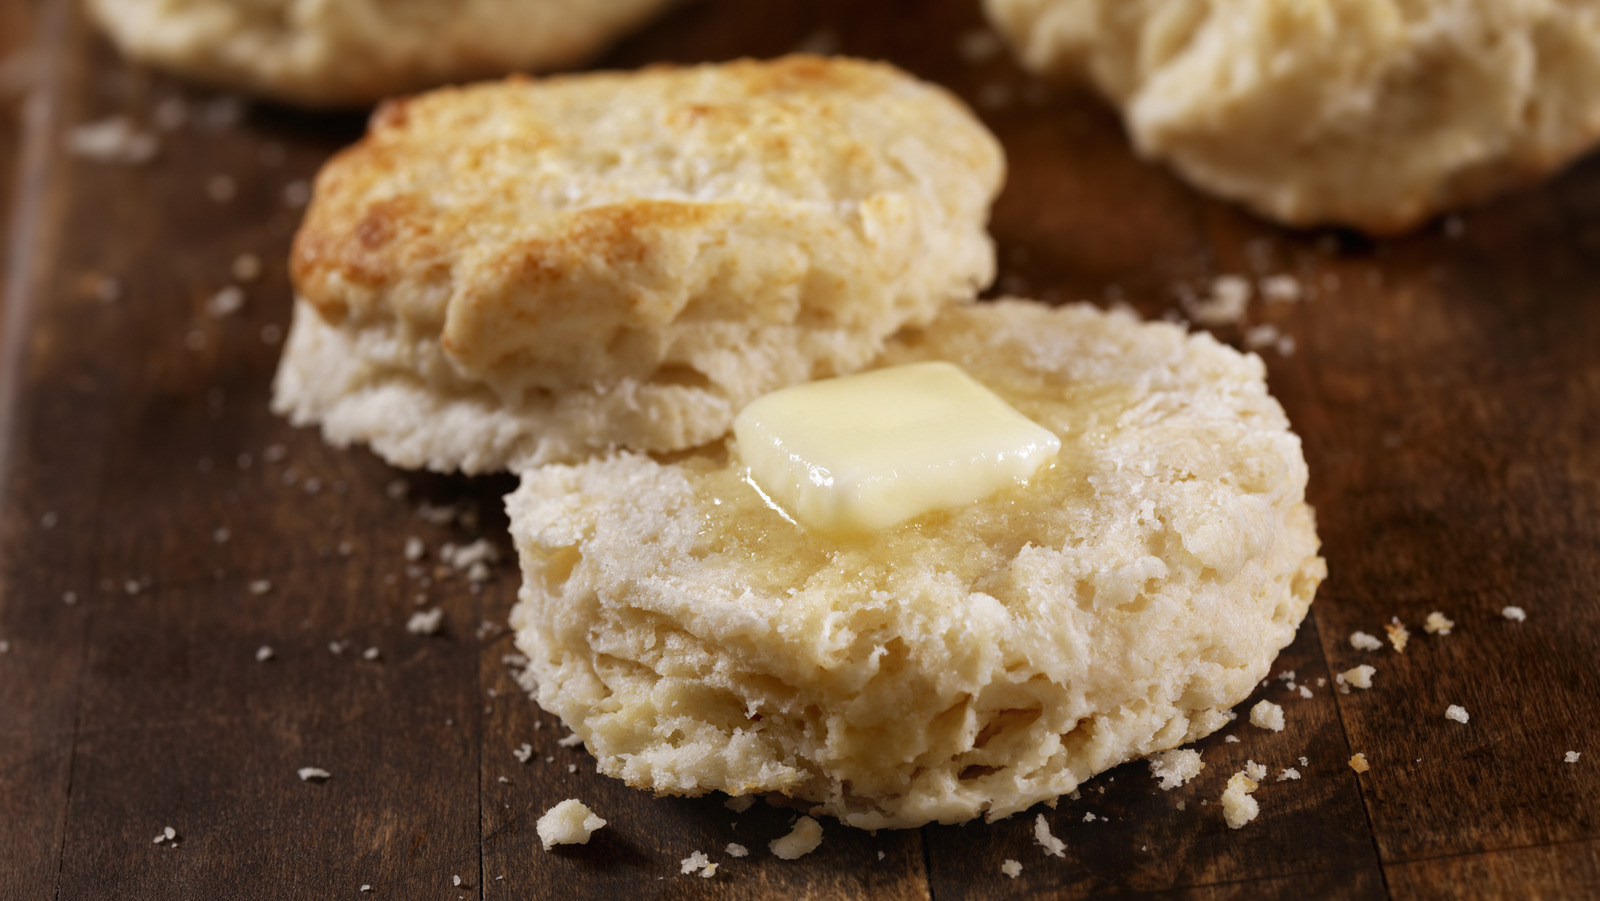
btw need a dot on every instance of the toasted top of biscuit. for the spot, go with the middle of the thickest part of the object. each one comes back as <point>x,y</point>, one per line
<point>355,52</point>
<point>1371,113</point>
<point>690,235</point>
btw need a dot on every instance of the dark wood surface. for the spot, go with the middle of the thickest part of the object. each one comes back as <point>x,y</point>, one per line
<point>1446,386</point>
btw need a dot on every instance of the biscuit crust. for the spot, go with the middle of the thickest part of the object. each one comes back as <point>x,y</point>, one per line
<point>1371,113</point>
<point>346,53</point>
<point>664,245</point>
<point>966,663</point>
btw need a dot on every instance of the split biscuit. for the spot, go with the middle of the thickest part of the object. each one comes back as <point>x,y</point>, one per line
<point>525,272</point>
<point>339,53</point>
<point>972,661</point>
<point>1375,114</point>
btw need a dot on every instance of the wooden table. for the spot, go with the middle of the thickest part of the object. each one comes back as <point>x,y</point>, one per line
<point>1446,385</point>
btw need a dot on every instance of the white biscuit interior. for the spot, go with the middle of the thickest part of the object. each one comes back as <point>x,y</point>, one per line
<point>968,662</point>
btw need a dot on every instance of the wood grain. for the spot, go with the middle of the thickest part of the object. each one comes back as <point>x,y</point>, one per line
<point>1444,384</point>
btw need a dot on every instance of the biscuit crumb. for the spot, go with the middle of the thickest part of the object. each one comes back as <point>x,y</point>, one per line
<point>264,653</point>
<point>1355,677</point>
<point>473,557</point>
<point>805,837</point>
<point>114,141</point>
<point>1052,846</point>
<point>1572,757</point>
<point>225,302</point>
<point>167,834</point>
<point>1267,715</point>
<point>246,267</point>
<point>1288,773</point>
<point>1231,739</point>
<point>1438,624</point>
<point>1175,767</point>
<point>571,741</point>
<point>260,586</point>
<point>736,850</point>
<point>740,803</point>
<point>1238,808</point>
<point>426,622</point>
<point>1456,712</point>
<point>568,823</point>
<point>524,753</point>
<point>1281,289</point>
<point>1358,762</point>
<point>1515,614</point>
<point>1259,336</point>
<point>1398,634</point>
<point>314,773</point>
<point>1226,303</point>
<point>1256,771</point>
<point>1362,641</point>
<point>696,862</point>
<point>1011,868</point>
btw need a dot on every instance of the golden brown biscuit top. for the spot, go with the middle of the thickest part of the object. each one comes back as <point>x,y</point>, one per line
<point>510,219</point>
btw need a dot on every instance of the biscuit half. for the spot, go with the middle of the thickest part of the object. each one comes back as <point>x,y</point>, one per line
<point>1370,113</point>
<point>968,662</point>
<point>524,272</point>
<point>338,53</point>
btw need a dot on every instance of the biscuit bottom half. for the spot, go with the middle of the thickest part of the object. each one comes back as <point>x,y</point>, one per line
<point>969,662</point>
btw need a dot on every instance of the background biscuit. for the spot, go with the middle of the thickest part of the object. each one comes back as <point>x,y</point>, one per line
<point>969,662</point>
<point>1370,113</point>
<point>356,52</point>
<point>625,260</point>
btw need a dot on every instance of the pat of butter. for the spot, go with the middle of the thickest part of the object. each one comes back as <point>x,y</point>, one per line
<point>863,452</point>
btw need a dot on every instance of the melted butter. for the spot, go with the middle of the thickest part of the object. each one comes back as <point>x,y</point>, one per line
<point>862,453</point>
<point>1056,508</point>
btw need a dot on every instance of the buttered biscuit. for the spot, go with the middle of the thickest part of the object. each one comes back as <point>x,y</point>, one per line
<point>356,52</point>
<point>970,661</point>
<point>532,271</point>
<point>1370,113</point>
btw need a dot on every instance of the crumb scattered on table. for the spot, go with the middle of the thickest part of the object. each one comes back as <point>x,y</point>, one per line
<point>1363,641</point>
<point>1052,846</point>
<point>1267,715</point>
<point>802,840</point>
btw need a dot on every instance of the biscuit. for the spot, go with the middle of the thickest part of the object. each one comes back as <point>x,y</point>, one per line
<point>1371,113</point>
<point>336,53</point>
<point>532,271</point>
<point>968,662</point>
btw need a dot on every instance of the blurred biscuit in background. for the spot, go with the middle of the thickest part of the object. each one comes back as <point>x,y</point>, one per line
<point>1375,114</point>
<point>341,53</point>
